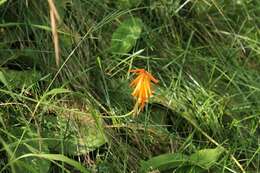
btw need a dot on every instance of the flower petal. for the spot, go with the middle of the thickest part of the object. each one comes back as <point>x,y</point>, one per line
<point>142,86</point>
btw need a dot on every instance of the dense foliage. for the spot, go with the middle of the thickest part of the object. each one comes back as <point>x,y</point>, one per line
<point>77,116</point>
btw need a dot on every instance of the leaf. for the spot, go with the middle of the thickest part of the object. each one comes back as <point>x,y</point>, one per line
<point>206,158</point>
<point>74,135</point>
<point>2,2</point>
<point>125,36</point>
<point>195,163</point>
<point>57,157</point>
<point>19,79</point>
<point>29,144</point>
<point>164,162</point>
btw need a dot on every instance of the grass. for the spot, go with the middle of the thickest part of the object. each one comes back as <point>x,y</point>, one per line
<point>203,117</point>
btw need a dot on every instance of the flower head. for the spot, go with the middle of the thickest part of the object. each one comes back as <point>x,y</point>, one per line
<point>142,87</point>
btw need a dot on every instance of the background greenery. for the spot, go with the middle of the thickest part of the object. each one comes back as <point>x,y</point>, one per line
<point>204,116</point>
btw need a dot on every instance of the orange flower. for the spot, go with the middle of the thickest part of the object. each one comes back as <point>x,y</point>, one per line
<point>142,87</point>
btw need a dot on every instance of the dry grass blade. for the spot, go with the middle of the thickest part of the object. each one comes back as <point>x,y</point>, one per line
<point>54,16</point>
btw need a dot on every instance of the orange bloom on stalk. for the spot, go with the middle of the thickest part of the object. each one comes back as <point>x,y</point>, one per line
<point>142,87</point>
